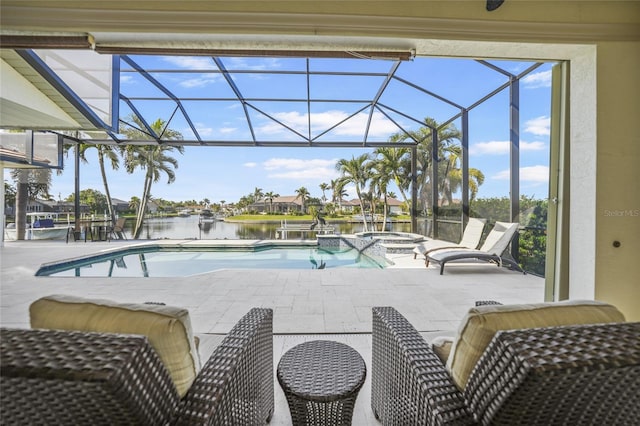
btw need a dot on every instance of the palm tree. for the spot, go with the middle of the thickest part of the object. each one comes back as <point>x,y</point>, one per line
<point>270,196</point>
<point>105,152</point>
<point>397,162</point>
<point>257,194</point>
<point>355,171</point>
<point>381,172</point>
<point>303,194</point>
<point>452,181</point>
<point>30,184</point>
<point>323,188</point>
<point>447,146</point>
<point>134,204</point>
<point>338,191</point>
<point>154,160</point>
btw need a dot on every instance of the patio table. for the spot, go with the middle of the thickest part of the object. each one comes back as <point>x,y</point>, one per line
<point>321,380</point>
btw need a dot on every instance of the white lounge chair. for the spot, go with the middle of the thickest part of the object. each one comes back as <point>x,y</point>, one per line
<point>470,239</point>
<point>491,251</point>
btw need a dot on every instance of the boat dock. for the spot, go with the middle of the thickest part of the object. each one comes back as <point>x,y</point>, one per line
<point>302,228</point>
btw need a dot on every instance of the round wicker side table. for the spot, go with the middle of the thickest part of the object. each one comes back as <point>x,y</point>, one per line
<point>321,380</point>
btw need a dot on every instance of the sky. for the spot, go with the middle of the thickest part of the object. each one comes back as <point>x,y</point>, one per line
<point>228,173</point>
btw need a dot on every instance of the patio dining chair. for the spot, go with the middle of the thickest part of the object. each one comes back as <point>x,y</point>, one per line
<point>117,230</point>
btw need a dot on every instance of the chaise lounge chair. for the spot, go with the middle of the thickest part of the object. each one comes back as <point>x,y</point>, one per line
<point>470,239</point>
<point>491,251</point>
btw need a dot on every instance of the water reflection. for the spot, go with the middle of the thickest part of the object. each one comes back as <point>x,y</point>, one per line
<point>188,228</point>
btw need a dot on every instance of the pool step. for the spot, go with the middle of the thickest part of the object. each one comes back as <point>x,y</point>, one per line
<point>403,248</point>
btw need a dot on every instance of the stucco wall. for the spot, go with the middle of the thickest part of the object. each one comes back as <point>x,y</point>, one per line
<point>618,177</point>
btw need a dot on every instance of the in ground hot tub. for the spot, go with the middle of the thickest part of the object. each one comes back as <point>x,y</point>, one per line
<point>390,237</point>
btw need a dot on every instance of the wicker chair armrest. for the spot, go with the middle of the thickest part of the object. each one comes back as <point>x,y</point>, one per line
<point>409,383</point>
<point>582,374</point>
<point>236,384</point>
<point>70,377</point>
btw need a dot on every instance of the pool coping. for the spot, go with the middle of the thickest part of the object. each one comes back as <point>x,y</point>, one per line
<point>49,268</point>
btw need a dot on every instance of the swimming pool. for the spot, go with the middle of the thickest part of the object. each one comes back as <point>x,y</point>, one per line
<point>179,261</point>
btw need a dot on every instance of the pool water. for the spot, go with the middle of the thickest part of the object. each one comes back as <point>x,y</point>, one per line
<point>155,262</point>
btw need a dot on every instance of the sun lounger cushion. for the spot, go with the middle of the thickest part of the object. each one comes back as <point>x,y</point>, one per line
<point>481,324</point>
<point>470,238</point>
<point>167,328</point>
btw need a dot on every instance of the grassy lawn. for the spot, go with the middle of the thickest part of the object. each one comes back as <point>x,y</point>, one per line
<point>281,217</point>
<point>295,218</point>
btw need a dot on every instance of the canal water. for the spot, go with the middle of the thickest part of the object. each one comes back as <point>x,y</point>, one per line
<point>188,228</point>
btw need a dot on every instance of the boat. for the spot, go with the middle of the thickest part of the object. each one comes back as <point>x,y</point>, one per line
<point>41,226</point>
<point>206,215</point>
<point>184,213</point>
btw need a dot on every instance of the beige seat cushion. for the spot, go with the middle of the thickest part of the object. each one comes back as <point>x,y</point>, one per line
<point>442,347</point>
<point>481,323</point>
<point>167,328</point>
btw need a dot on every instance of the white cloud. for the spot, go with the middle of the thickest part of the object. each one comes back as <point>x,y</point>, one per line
<point>537,80</point>
<point>538,126</point>
<point>351,192</point>
<point>316,174</point>
<point>527,174</point>
<point>203,130</point>
<point>126,79</point>
<point>355,126</point>
<point>257,65</point>
<point>297,163</point>
<point>194,63</point>
<point>191,62</point>
<point>203,80</point>
<point>502,147</point>
<point>250,165</point>
<point>295,168</point>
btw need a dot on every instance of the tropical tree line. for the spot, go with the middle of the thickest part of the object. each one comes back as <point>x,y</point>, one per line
<point>155,160</point>
<point>370,174</point>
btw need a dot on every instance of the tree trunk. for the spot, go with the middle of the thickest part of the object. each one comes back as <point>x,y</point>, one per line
<point>112,216</point>
<point>384,216</point>
<point>404,196</point>
<point>22,201</point>
<point>143,205</point>
<point>364,216</point>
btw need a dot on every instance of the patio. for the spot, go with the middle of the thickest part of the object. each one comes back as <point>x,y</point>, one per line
<point>332,304</point>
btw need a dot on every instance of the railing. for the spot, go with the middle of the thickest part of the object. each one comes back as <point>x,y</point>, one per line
<point>302,229</point>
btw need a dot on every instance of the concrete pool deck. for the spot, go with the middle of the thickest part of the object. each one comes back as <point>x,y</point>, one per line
<point>304,301</point>
<point>332,304</point>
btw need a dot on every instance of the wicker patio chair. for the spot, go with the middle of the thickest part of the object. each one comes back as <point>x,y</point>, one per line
<point>586,374</point>
<point>69,377</point>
